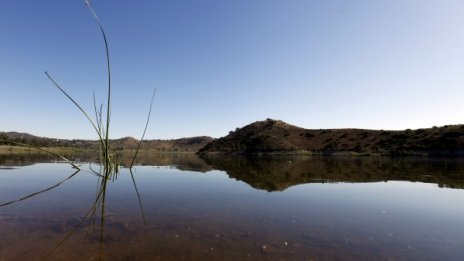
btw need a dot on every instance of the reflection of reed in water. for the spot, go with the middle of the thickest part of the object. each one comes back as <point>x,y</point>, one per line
<point>94,219</point>
<point>38,192</point>
<point>97,212</point>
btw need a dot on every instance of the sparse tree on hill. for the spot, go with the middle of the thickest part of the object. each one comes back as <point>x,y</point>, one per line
<point>3,138</point>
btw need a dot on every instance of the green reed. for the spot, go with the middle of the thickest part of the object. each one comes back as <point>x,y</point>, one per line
<point>102,125</point>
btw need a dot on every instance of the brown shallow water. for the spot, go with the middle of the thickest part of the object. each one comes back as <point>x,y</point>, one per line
<point>186,208</point>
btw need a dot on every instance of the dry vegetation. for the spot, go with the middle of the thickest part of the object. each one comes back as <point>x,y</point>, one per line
<point>192,144</point>
<point>274,136</point>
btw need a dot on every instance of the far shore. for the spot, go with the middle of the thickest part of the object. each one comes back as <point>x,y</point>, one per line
<point>66,151</point>
<point>8,149</point>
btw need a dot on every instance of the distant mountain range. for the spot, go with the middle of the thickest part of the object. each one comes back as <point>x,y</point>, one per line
<point>277,137</point>
<point>192,144</point>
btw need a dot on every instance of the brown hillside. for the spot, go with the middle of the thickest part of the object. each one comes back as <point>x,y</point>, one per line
<point>192,144</point>
<point>275,136</point>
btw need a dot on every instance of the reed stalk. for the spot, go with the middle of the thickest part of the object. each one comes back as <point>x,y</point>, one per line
<point>144,131</point>
<point>100,125</point>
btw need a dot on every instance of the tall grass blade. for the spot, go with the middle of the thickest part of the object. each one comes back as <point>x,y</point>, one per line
<point>144,131</point>
<point>107,159</point>
<point>75,103</point>
<point>97,119</point>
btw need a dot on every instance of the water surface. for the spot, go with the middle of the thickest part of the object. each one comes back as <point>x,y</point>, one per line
<point>181,207</point>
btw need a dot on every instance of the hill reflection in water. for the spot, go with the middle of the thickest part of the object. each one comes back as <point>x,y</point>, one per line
<point>277,173</point>
<point>182,207</point>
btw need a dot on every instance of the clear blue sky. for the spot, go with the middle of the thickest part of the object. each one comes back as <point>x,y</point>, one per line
<point>218,65</point>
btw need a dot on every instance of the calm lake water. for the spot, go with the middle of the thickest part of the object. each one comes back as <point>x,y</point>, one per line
<point>181,207</point>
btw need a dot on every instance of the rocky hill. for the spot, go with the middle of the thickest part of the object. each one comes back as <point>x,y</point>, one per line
<point>275,136</point>
<point>192,144</point>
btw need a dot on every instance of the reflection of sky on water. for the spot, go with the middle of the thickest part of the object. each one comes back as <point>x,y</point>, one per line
<point>376,216</point>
